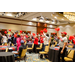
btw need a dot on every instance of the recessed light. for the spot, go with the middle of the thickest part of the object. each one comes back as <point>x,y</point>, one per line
<point>9,14</point>
<point>30,23</point>
<point>41,20</point>
<point>34,19</point>
<point>51,26</point>
<point>55,17</point>
<point>47,21</point>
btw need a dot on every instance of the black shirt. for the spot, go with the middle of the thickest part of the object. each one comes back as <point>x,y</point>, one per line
<point>21,48</point>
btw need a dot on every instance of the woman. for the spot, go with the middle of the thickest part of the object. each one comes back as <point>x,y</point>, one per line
<point>62,45</point>
<point>35,44</point>
<point>4,39</point>
<point>18,40</point>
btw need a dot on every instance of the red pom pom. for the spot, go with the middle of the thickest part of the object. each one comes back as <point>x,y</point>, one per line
<point>45,30</point>
<point>26,36</point>
<point>71,37</point>
<point>41,31</point>
<point>9,29</point>
<point>5,32</point>
<point>20,31</point>
<point>57,29</point>
<point>37,33</point>
<point>53,33</point>
<point>33,34</point>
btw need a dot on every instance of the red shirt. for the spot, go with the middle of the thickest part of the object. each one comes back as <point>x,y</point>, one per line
<point>41,40</point>
<point>36,41</point>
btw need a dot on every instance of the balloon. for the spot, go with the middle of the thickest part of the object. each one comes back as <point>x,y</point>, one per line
<point>9,29</point>
<point>5,32</point>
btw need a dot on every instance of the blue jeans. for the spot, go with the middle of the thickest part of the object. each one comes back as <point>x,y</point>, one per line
<point>15,55</point>
<point>44,47</point>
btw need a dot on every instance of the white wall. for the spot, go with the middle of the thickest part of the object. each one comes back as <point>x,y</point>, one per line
<point>17,27</point>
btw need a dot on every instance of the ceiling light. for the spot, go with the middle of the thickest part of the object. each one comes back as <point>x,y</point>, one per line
<point>30,23</point>
<point>41,20</point>
<point>52,22</point>
<point>47,21</point>
<point>34,19</point>
<point>62,19</point>
<point>51,26</point>
<point>9,14</point>
<point>55,17</point>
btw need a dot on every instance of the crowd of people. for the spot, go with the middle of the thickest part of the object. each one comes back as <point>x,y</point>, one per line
<point>18,39</point>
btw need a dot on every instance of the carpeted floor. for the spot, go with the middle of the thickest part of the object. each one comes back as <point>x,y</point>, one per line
<point>34,58</point>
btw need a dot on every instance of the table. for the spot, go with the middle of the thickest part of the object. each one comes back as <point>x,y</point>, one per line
<point>53,54</point>
<point>10,49</point>
<point>7,57</point>
<point>30,44</point>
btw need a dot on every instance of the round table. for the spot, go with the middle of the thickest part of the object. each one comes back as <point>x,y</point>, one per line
<point>7,57</point>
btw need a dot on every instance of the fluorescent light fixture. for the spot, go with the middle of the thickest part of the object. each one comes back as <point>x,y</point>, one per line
<point>9,14</point>
<point>51,26</point>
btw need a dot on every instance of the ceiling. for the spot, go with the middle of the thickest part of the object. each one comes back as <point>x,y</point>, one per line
<point>56,18</point>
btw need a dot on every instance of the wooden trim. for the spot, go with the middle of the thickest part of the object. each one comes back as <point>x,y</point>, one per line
<point>24,20</point>
<point>18,24</point>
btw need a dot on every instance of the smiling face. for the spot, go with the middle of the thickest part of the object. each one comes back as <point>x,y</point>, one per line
<point>63,35</point>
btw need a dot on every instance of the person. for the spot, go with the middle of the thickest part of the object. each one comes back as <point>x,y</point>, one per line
<point>18,53</point>
<point>0,39</point>
<point>4,39</point>
<point>12,38</point>
<point>18,40</point>
<point>46,40</point>
<point>62,45</point>
<point>35,44</point>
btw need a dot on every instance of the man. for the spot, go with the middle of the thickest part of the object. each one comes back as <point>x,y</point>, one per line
<point>18,53</point>
<point>62,45</point>
<point>0,39</point>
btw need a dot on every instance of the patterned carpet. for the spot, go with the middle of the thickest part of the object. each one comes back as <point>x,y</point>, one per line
<point>34,58</point>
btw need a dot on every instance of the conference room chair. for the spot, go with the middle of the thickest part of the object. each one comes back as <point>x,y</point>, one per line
<point>69,56</point>
<point>45,51</point>
<point>25,43</point>
<point>70,46</point>
<point>30,49</point>
<point>39,48</point>
<point>6,50</point>
<point>23,55</point>
<point>4,44</point>
<point>52,45</point>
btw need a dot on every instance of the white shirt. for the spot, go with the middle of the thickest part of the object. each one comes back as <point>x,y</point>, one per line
<point>46,39</point>
<point>62,40</point>
<point>4,39</point>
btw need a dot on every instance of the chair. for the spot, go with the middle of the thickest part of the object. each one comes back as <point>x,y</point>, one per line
<point>52,45</point>
<point>23,55</point>
<point>12,44</point>
<point>4,44</point>
<point>44,52</point>
<point>70,46</point>
<point>39,48</point>
<point>25,43</point>
<point>69,56</point>
<point>6,50</point>
<point>31,49</point>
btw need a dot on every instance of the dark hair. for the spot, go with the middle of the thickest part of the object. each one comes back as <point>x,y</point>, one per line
<point>18,35</point>
<point>47,35</point>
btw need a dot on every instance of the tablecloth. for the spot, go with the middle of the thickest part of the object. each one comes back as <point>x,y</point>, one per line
<point>7,57</point>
